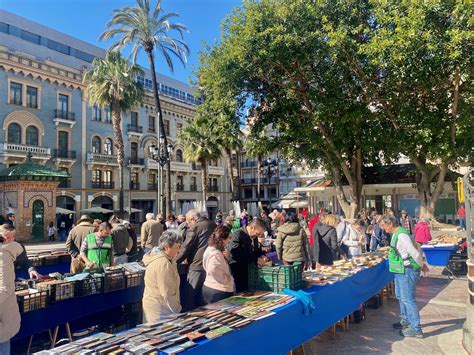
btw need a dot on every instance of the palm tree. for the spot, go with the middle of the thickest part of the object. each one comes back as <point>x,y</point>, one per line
<point>147,29</point>
<point>112,82</point>
<point>200,145</point>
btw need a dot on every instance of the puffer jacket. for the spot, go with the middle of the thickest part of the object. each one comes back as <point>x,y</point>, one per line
<point>292,243</point>
<point>422,232</point>
<point>161,296</point>
<point>9,312</point>
<point>328,247</point>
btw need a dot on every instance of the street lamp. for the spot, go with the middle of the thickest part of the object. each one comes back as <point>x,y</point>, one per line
<point>271,169</point>
<point>161,155</point>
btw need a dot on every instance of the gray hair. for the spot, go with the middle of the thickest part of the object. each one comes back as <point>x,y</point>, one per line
<point>149,216</point>
<point>192,214</point>
<point>390,220</point>
<point>170,238</point>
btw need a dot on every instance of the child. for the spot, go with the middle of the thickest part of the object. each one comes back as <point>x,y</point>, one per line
<point>51,231</point>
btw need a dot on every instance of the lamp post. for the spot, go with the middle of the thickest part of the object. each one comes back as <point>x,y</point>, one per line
<point>271,169</point>
<point>160,154</point>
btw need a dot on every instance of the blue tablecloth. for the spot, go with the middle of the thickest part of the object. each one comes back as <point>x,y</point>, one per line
<point>73,309</point>
<point>46,269</point>
<point>289,328</point>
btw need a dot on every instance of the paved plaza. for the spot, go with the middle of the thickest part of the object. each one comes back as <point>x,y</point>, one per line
<point>442,305</point>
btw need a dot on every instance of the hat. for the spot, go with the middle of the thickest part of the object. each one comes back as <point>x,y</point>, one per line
<point>84,218</point>
<point>125,223</point>
<point>404,211</point>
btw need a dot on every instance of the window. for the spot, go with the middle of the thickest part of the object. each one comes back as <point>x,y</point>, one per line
<point>14,133</point>
<point>30,37</point>
<point>15,93</point>
<point>31,97</point>
<point>96,176</point>
<point>179,127</point>
<point>83,56</point>
<point>107,117</point>
<point>152,178</point>
<point>96,145</point>
<point>134,152</point>
<point>134,119</point>
<point>193,183</point>
<point>108,147</point>
<point>31,135</point>
<point>108,176</point>
<point>65,183</point>
<point>134,178</point>
<point>59,47</point>
<point>63,103</point>
<point>248,193</point>
<point>179,155</point>
<point>166,126</point>
<point>63,143</point>
<point>151,124</point>
<point>96,113</point>
<point>4,27</point>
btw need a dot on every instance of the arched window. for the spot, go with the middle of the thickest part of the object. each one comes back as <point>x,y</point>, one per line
<point>14,133</point>
<point>31,135</point>
<point>96,144</point>
<point>179,155</point>
<point>108,147</point>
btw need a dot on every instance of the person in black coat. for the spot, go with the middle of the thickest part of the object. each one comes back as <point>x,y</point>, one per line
<point>327,237</point>
<point>243,249</point>
<point>133,253</point>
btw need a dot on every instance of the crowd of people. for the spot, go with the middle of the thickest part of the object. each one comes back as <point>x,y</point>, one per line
<point>216,254</point>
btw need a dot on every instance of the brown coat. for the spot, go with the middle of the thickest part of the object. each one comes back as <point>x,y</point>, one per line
<point>9,312</point>
<point>74,241</point>
<point>150,233</point>
<point>161,296</point>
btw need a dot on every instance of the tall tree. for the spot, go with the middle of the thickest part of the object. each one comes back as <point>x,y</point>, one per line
<point>413,61</point>
<point>198,138</point>
<point>112,82</point>
<point>146,28</point>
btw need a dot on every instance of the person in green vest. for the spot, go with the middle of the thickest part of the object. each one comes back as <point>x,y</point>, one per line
<point>97,249</point>
<point>406,262</point>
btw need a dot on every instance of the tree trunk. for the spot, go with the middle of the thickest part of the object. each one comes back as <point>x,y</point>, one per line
<point>118,143</point>
<point>230,168</point>
<point>204,181</point>
<point>428,198</point>
<point>149,52</point>
<point>349,208</point>
<point>259,174</point>
<point>169,202</point>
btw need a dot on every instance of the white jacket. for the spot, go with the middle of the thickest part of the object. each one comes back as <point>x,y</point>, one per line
<point>351,239</point>
<point>9,312</point>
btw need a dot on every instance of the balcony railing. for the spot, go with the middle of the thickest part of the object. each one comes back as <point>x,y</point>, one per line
<point>102,185</point>
<point>215,170</point>
<point>193,188</point>
<point>64,115</point>
<point>152,186</point>
<point>98,158</point>
<point>22,150</point>
<point>137,161</point>
<point>179,187</point>
<point>134,186</point>
<point>134,129</point>
<point>65,184</point>
<point>64,154</point>
<point>213,188</point>
<point>249,164</point>
<point>263,181</point>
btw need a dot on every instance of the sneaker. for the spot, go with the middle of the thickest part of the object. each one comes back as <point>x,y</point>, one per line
<point>400,325</point>
<point>410,332</point>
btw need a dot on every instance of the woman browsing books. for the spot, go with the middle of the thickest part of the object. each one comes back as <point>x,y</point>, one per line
<point>219,283</point>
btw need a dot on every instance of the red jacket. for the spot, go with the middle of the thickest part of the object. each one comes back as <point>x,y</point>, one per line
<point>311,225</point>
<point>422,232</point>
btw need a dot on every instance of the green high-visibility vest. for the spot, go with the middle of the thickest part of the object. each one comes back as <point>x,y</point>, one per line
<point>395,261</point>
<point>100,256</point>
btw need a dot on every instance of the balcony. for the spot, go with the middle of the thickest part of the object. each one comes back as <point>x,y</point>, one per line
<point>136,161</point>
<point>193,188</point>
<point>134,130</point>
<point>101,159</point>
<point>179,187</point>
<point>215,170</point>
<point>212,188</point>
<point>249,164</point>
<point>180,166</point>
<point>152,186</point>
<point>134,186</point>
<point>249,181</point>
<point>263,181</point>
<point>10,150</point>
<point>66,117</point>
<point>102,185</point>
<point>64,155</point>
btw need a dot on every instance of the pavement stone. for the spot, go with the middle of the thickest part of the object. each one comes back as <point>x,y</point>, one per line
<point>442,304</point>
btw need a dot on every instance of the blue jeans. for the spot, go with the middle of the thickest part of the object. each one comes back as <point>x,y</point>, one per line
<point>405,288</point>
<point>462,223</point>
<point>62,235</point>
<point>5,348</point>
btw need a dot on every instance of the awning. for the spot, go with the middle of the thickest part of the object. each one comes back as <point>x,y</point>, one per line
<point>60,210</point>
<point>97,210</point>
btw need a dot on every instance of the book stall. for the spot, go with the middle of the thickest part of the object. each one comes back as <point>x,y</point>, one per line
<point>446,251</point>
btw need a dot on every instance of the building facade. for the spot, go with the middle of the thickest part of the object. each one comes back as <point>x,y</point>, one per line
<point>44,110</point>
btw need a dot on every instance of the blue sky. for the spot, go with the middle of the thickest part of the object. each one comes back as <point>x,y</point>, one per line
<point>85,19</point>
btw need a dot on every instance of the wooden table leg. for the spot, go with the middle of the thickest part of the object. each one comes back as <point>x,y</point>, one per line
<point>298,351</point>
<point>68,330</point>
<point>55,336</point>
<point>29,345</point>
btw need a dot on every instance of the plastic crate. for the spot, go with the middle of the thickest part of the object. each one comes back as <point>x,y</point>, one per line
<point>28,302</point>
<point>276,278</point>
<point>114,280</point>
<point>90,286</point>
<point>438,256</point>
<point>64,259</point>
<point>135,279</point>
<point>58,290</point>
<point>50,260</point>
